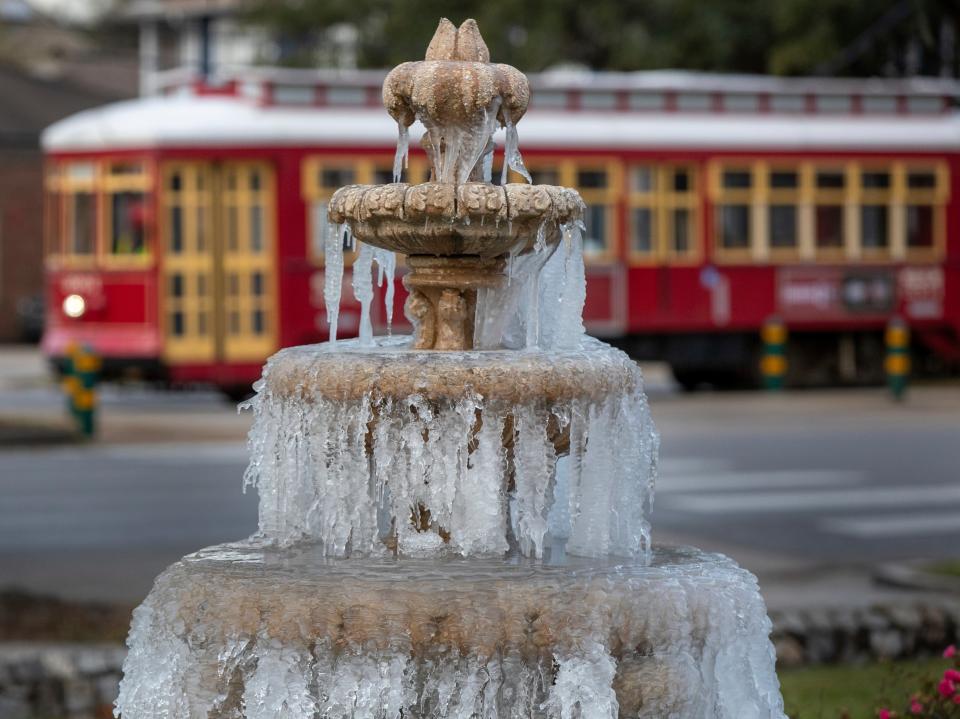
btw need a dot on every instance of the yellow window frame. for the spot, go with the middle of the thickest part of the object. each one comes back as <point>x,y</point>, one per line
<point>112,184</point>
<point>770,196</point>
<point>935,198</point>
<point>68,186</point>
<point>609,196</point>
<point>662,201</point>
<point>752,197</point>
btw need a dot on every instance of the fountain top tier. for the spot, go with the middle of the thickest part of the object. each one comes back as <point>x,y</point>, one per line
<point>458,230</point>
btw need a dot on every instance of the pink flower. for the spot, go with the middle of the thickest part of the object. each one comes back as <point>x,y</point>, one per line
<point>950,652</point>
<point>884,714</point>
<point>916,707</point>
<point>956,698</point>
<point>952,675</point>
<point>946,688</point>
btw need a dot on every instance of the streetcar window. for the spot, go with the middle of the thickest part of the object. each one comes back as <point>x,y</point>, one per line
<point>737,180</point>
<point>256,283</point>
<point>643,179</point>
<point>875,180</point>
<point>595,238</point>
<point>233,228</point>
<point>81,171</point>
<point>830,180</point>
<point>921,180</point>
<point>784,180</point>
<point>680,235</point>
<point>176,229</point>
<point>254,181</point>
<point>128,222</point>
<point>176,285</point>
<point>734,223</point>
<point>545,176</point>
<point>873,227</point>
<point>829,226</point>
<point>592,179</point>
<point>257,321</point>
<point>383,176</point>
<point>919,226</point>
<point>177,323</point>
<point>333,178</point>
<point>81,237</point>
<point>783,226</point>
<point>643,230</point>
<point>256,228</point>
<point>201,226</point>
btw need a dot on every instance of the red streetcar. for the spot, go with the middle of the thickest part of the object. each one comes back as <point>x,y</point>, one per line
<point>185,231</point>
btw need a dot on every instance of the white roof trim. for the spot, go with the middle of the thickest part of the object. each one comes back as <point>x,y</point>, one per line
<point>221,122</point>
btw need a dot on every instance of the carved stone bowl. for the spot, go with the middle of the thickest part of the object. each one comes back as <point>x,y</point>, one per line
<point>474,218</point>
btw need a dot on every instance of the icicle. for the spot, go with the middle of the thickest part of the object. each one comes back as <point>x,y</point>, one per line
<point>333,274</point>
<point>386,267</point>
<point>401,158</point>
<point>511,152</point>
<point>570,330</point>
<point>363,291</point>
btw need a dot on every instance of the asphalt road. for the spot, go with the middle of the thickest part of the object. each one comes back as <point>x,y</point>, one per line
<point>823,480</point>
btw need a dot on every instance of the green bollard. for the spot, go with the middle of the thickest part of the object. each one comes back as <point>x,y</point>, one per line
<point>773,365</point>
<point>897,362</point>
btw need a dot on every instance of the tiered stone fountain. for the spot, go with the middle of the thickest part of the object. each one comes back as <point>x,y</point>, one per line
<point>454,524</point>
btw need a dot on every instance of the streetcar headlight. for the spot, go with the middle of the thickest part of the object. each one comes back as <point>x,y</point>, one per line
<point>74,306</point>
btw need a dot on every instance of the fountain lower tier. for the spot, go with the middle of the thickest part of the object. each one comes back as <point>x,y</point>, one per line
<point>368,450</point>
<point>245,630</point>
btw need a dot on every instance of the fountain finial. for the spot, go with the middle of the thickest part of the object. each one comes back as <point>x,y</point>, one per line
<point>459,96</point>
<point>450,43</point>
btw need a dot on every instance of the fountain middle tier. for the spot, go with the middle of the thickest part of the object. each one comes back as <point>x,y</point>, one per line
<point>368,451</point>
<point>255,631</point>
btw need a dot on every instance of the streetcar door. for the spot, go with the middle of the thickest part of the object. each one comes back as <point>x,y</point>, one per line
<point>219,262</point>
<point>247,230</point>
<point>187,202</point>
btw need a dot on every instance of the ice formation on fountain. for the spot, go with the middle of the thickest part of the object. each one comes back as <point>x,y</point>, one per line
<point>453,524</point>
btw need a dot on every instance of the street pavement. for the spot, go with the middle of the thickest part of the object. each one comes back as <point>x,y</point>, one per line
<point>809,490</point>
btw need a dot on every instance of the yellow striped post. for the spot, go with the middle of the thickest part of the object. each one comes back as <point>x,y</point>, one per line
<point>773,364</point>
<point>897,362</point>
<point>81,374</point>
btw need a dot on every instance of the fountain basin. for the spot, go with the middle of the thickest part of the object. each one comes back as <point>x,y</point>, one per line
<point>238,629</point>
<point>473,218</point>
<point>365,450</point>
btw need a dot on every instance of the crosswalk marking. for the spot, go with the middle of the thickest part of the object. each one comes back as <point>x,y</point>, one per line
<point>791,501</point>
<point>729,480</point>
<point>894,525</point>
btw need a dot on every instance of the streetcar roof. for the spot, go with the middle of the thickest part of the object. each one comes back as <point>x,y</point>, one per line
<point>214,121</point>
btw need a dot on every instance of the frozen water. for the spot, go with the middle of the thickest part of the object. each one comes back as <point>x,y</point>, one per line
<point>542,305</point>
<point>511,152</point>
<point>333,274</point>
<point>403,151</point>
<point>251,631</point>
<point>349,472</point>
<point>363,291</point>
<point>386,269</point>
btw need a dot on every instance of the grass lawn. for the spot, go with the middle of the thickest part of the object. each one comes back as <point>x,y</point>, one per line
<point>831,692</point>
<point>949,568</point>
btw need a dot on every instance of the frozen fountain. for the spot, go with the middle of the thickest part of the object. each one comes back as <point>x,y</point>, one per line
<point>454,524</point>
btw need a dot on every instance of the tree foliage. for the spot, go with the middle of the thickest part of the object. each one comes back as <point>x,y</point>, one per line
<point>850,37</point>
